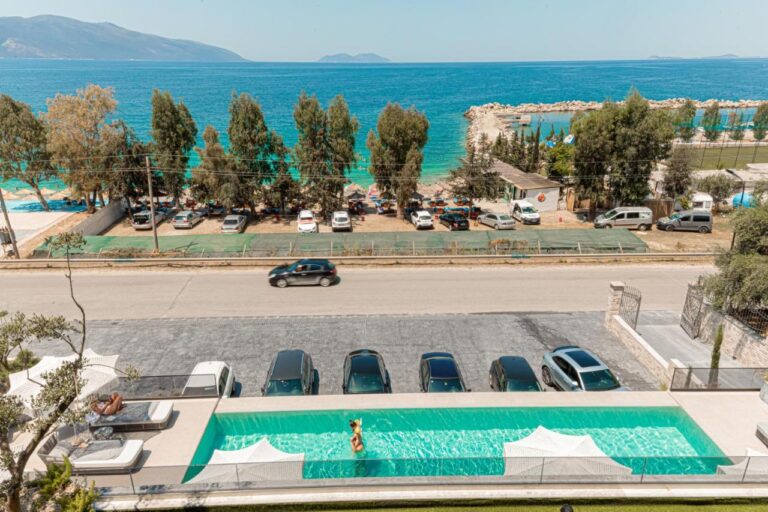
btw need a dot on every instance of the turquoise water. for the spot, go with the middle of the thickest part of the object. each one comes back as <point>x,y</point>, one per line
<point>443,91</point>
<point>470,441</point>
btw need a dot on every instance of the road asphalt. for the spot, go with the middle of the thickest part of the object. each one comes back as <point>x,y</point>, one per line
<point>206,293</point>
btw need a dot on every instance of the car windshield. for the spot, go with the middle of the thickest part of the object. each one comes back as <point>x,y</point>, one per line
<point>504,217</point>
<point>341,218</point>
<point>523,385</point>
<point>365,383</point>
<point>285,387</point>
<point>599,380</point>
<point>445,386</point>
<point>611,214</point>
<point>180,217</point>
<point>141,219</point>
<point>230,222</point>
<point>528,209</point>
<point>674,216</point>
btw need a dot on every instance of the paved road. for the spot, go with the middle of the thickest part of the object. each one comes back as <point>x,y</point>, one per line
<point>174,346</point>
<point>389,290</point>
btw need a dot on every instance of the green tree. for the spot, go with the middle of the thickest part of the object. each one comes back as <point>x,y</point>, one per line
<point>714,363</point>
<point>760,192</point>
<point>760,122</point>
<point>80,138</point>
<point>214,179</point>
<point>342,132</point>
<point>173,133</point>
<point>534,151</point>
<point>751,228</point>
<point>252,146</point>
<point>397,151</point>
<point>684,121</point>
<point>736,123</point>
<point>23,146</point>
<point>678,177</point>
<point>559,160</point>
<point>125,175</point>
<point>593,149</point>
<point>474,177</point>
<point>641,138</point>
<point>719,186</point>
<point>711,122</point>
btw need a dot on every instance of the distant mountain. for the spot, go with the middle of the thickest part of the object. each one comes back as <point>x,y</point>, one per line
<point>726,56</point>
<point>360,58</point>
<point>57,37</point>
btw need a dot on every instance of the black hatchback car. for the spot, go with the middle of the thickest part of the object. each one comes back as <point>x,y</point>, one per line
<point>291,373</point>
<point>512,373</point>
<point>304,273</point>
<point>454,221</point>
<point>439,373</point>
<point>364,372</point>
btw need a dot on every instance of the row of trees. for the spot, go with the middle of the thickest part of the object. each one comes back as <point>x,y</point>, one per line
<point>80,139</point>
<point>711,122</point>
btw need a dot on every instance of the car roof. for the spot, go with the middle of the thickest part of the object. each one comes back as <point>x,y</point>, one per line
<point>580,358</point>
<point>233,217</point>
<point>419,212</point>
<point>209,368</point>
<point>516,367</point>
<point>316,261</point>
<point>631,208</point>
<point>340,212</point>
<point>288,365</point>
<point>443,367</point>
<point>364,362</point>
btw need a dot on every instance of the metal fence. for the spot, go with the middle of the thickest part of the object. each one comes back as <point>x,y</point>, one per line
<point>754,316</point>
<point>166,386</point>
<point>718,379</point>
<point>461,471</point>
<point>629,306</point>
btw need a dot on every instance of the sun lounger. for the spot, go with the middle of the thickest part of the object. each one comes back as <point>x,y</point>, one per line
<point>762,432</point>
<point>97,457</point>
<point>138,416</point>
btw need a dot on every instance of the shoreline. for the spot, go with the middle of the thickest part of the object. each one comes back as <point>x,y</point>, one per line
<point>487,118</point>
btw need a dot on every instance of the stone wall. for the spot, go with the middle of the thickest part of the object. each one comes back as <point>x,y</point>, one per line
<point>739,341</point>
<point>100,221</point>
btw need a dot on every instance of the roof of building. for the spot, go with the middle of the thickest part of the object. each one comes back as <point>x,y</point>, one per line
<point>521,179</point>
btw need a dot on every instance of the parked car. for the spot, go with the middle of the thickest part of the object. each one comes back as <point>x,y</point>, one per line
<point>186,220</point>
<point>571,368</point>
<point>689,220</point>
<point>422,219</point>
<point>210,378</point>
<point>303,273</point>
<point>364,372</point>
<point>629,217</point>
<point>306,223</point>
<point>512,373</point>
<point>340,221</point>
<point>524,212</point>
<point>439,373</point>
<point>497,220</point>
<point>454,221</point>
<point>143,220</point>
<point>234,224</point>
<point>291,373</point>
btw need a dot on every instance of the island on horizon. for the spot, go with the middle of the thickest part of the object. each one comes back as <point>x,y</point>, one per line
<point>360,58</point>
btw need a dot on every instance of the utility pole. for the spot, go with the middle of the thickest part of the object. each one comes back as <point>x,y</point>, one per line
<point>11,234</point>
<point>152,205</point>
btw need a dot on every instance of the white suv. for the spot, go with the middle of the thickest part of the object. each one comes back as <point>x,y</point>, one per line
<point>422,219</point>
<point>306,222</point>
<point>210,378</point>
<point>340,221</point>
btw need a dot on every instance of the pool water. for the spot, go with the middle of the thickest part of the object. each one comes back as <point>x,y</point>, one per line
<point>468,441</point>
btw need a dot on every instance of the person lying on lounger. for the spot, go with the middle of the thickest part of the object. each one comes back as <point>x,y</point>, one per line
<point>110,407</point>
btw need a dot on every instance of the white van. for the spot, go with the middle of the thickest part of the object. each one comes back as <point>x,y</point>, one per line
<point>629,217</point>
<point>524,212</point>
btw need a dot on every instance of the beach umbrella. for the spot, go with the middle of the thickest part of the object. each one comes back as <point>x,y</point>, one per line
<point>9,196</point>
<point>48,191</point>
<point>98,372</point>
<point>257,462</point>
<point>356,196</point>
<point>550,453</point>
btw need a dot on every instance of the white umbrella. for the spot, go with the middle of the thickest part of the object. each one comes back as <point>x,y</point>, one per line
<point>254,463</point>
<point>550,453</point>
<point>98,372</point>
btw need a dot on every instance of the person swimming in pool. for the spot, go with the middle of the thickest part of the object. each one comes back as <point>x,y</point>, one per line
<point>356,441</point>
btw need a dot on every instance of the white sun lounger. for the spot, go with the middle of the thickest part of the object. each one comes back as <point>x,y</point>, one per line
<point>99,457</point>
<point>158,414</point>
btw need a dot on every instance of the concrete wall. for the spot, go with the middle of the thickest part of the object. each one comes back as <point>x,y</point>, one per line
<point>551,198</point>
<point>739,341</point>
<point>100,221</point>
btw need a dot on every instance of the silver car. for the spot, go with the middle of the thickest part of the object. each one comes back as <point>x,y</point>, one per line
<point>571,368</point>
<point>690,220</point>
<point>186,220</point>
<point>234,224</point>
<point>497,220</point>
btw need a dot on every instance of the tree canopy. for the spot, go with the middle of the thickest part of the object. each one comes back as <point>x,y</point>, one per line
<point>684,121</point>
<point>475,178</point>
<point>760,122</point>
<point>678,176</point>
<point>711,122</point>
<point>174,133</point>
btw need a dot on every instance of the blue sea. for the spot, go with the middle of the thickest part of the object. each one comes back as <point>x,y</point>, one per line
<point>443,91</point>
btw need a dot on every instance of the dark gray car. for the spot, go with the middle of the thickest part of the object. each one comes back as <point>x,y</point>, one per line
<point>291,373</point>
<point>688,220</point>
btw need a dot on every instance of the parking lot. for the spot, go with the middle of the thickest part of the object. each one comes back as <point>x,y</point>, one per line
<point>173,346</point>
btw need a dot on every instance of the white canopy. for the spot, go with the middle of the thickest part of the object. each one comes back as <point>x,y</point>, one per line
<point>549,453</point>
<point>755,463</point>
<point>98,372</point>
<point>257,462</point>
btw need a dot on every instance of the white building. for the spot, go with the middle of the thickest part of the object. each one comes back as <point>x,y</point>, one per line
<point>541,192</point>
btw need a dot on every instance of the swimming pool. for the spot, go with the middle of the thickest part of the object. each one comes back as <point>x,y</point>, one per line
<point>462,441</point>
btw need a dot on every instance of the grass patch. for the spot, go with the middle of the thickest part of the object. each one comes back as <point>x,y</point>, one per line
<point>517,506</point>
<point>734,157</point>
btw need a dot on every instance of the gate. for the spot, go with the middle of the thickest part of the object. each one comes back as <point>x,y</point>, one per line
<point>629,307</point>
<point>691,318</point>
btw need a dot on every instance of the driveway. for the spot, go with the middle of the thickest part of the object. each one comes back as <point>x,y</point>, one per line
<point>173,346</point>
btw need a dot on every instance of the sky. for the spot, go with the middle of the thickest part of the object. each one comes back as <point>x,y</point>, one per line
<point>438,30</point>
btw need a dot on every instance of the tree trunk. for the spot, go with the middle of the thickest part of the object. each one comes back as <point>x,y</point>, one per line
<point>101,199</point>
<point>13,501</point>
<point>89,204</point>
<point>40,197</point>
